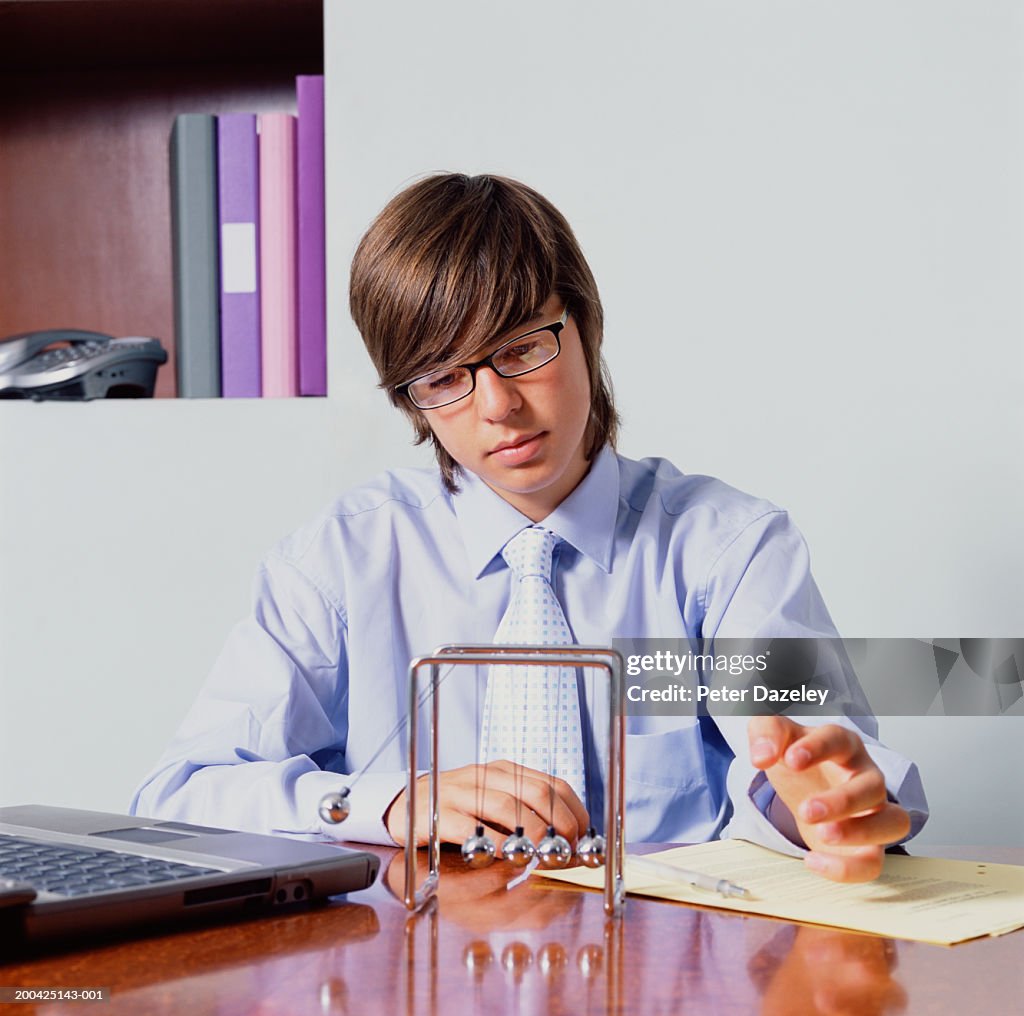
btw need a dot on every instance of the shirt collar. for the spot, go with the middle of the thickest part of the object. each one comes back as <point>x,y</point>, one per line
<point>585,519</point>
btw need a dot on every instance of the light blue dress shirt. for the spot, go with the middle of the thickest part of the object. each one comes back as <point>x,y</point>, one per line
<point>314,681</point>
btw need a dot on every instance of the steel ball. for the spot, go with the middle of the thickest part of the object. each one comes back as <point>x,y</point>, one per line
<point>335,807</point>
<point>591,849</point>
<point>518,849</point>
<point>478,850</point>
<point>554,851</point>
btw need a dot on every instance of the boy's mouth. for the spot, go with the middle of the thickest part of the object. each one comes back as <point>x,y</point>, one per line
<point>518,447</point>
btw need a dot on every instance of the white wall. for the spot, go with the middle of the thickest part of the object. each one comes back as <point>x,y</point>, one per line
<point>129,533</point>
<point>807,223</point>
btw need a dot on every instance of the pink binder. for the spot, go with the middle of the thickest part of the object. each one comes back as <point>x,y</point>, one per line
<point>278,317</point>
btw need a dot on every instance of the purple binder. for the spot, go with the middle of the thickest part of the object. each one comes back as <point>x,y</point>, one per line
<point>312,280</point>
<point>238,196</point>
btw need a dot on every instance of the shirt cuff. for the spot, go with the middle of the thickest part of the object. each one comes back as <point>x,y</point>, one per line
<point>751,821</point>
<point>903,784</point>
<point>369,799</point>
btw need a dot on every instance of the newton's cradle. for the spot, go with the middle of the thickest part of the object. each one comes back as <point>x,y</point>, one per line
<point>479,850</point>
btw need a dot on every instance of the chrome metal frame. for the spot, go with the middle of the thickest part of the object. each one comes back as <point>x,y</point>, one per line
<point>593,657</point>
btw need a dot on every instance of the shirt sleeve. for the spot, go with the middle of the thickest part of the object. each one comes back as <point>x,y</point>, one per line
<point>761,586</point>
<point>265,739</point>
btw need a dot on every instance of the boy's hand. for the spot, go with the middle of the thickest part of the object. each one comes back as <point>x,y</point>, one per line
<point>501,785</point>
<point>834,791</point>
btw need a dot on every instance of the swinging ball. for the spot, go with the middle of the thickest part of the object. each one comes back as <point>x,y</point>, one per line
<point>335,806</point>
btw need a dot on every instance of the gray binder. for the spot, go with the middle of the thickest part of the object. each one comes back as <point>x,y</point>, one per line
<point>195,255</point>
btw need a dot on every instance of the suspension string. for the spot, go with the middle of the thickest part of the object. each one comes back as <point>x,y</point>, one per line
<point>523,673</point>
<point>395,731</point>
<point>518,772</point>
<point>586,724</point>
<point>552,737</point>
<point>481,781</point>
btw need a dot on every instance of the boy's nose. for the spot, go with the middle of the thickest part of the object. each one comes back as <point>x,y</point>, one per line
<point>496,396</point>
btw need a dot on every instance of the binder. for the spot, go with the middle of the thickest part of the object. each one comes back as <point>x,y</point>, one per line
<point>193,158</point>
<point>238,202</point>
<point>312,278</point>
<point>278,319</point>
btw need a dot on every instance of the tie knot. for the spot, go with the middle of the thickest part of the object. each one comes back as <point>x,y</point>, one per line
<point>530,552</point>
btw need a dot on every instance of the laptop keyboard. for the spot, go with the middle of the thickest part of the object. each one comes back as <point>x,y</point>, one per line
<point>79,871</point>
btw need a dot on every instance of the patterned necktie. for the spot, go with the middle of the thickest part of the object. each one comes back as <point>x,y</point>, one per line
<point>532,714</point>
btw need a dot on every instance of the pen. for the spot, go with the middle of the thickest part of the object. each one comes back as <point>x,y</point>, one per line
<point>673,873</point>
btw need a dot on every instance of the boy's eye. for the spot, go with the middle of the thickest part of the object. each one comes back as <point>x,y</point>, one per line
<point>439,383</point>
<point>521,351</point>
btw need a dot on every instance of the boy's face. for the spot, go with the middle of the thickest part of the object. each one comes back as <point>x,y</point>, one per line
<point>524,436</point>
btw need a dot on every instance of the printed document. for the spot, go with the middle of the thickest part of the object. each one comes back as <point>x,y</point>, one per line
<point>919,898</point>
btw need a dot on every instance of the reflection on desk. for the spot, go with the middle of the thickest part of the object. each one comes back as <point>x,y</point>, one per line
<point>540,948</point>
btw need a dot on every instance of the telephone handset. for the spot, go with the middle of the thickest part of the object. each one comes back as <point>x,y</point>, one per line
<point>70,363</point>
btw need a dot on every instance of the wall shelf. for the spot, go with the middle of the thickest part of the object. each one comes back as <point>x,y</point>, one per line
<point>91,89</point>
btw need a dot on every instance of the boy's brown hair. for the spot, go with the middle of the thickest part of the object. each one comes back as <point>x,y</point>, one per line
<point>455,261</point>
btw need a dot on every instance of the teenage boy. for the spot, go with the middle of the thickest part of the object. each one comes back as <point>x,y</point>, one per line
<point>484,322</point>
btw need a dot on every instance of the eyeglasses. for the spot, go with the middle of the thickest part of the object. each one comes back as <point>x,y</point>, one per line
<point>514,358</point>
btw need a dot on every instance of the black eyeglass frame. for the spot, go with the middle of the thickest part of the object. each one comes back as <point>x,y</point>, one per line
<point>488,361</point>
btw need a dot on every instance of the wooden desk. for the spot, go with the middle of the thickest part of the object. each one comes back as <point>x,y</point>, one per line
<point>540,948</point>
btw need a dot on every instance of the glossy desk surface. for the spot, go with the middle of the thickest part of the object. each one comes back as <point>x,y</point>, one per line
<point>539,948</point>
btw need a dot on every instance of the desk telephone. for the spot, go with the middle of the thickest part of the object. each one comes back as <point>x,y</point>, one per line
<point>68,363</point>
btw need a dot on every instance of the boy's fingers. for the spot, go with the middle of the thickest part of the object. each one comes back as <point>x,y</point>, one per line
<point>503,795</point>
<point>575,805</point>
<point>538,788</point>
<point>827,743</point>
<point>769,736</point>
<point>544,800</point>
<point>890,824</point>
<point>864,791</point>
<point>861,864</point>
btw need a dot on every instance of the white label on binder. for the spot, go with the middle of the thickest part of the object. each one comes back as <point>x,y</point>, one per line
<point>238,257</point>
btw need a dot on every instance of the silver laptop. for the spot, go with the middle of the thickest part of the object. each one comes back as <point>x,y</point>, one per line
<point>65,872</point>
